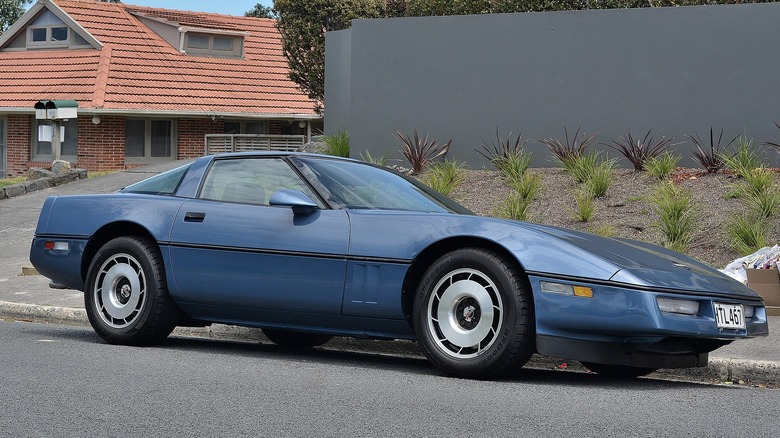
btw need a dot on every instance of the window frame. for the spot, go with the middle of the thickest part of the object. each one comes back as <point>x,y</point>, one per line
<point>243,126</point>
<point>147,157</point>
<point>49,31</point>
<point>237,52</point>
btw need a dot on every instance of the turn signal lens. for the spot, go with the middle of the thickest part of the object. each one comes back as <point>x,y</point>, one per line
<point>566,289</point>
<point>748,311</point>
<point>582,291</point>
<point>683,307</point>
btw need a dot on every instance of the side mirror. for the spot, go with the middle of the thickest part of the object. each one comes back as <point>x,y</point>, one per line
<point>300,203</point>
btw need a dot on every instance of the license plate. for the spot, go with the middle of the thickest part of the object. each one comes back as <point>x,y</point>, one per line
<point>729,316</point>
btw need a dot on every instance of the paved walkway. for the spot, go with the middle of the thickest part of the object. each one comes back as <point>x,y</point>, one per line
<point>28,297</point>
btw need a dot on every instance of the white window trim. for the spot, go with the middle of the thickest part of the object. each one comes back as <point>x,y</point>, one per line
<point>147,158</point>
<point>237,52</point>
<point>48,42</point>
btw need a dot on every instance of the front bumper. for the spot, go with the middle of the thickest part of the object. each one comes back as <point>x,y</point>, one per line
<point>625,326</point>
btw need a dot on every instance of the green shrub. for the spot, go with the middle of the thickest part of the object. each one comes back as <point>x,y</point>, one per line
<point>676,216</point>
<point>527,186</point>
<point>515,207</point>
<point>381,161</point>
<point>507,156</point>
<point>764,203</point>
<point>444,177</point>
<point>337,144</point>
<point>745,159</point>
<point>747,233</point>
<point>583,166</point>
<point>662,166</point>
<point>586,206</point>
<point>601,177</point>
<point>569,150</point>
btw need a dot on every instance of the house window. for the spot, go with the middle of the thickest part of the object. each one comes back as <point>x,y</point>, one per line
<point>237,127</point>
<point>213,45</point>
<point>41,150</point>
<point>47,36</point>
<point>149,140</point>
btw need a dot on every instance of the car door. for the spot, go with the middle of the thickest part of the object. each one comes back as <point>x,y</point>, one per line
<point>230,248</point>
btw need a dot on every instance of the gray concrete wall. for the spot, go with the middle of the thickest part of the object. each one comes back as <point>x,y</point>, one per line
<point>674,71</point>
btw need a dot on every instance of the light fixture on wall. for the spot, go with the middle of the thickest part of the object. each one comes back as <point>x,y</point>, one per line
<point>95,120</point>
<point>301,124</point>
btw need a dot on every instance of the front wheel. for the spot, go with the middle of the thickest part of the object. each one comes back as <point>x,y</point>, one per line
<point>473,315</point>
<point>126,298</point>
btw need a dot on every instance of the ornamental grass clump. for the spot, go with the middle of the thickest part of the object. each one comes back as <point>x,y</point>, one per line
<point>420,151</point>
<point>585,205</point>
<point>662,166</point>
<point>600,177</point>
<point>508,157</point>
<point>710,156</point>
<point>745,159</point>
<point>527,186</point>
<point>639,151</point>
<point>676,216</point>
<point>380,160</point>
<point>444,177</point>
<point>570,149</point>
<point>515,207</point>
<point>337,144</point>
<point>748,233</point>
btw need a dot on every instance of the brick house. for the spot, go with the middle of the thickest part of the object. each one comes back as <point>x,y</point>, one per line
<point>151,85</point>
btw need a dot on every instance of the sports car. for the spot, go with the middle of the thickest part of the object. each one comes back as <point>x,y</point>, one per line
<point>308,246</point>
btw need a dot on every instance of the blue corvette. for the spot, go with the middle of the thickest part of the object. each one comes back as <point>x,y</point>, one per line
<point>309,246</point>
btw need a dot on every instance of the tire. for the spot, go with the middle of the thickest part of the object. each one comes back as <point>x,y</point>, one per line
<point>618,371</point>
<point>473,315</point>
<point>126,298</point>
<point>288,338</point>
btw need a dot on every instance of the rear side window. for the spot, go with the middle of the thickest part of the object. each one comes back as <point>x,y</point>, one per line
<point>164,184</point>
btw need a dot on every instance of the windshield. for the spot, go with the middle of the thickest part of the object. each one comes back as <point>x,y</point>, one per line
<point>355,185</point>
<point>165,183</point>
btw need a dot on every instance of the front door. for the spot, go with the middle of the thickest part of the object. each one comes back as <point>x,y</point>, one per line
<point>230,248</point>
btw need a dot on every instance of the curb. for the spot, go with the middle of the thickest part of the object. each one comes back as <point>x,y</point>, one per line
<point>722,370</point>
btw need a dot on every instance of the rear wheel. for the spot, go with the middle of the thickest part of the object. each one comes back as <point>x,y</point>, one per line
<point>472,315</point>
<point>288,338</point>
<point>126,298</point>
<point>618,371</point>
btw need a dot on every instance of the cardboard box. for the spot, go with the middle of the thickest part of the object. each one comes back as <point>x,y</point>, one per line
<point>767,283</point>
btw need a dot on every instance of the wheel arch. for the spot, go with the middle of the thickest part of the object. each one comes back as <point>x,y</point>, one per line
<point>105,234</point>
<point>426,257</point>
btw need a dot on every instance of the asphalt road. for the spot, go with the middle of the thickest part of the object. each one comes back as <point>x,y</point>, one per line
<point>64,381</point>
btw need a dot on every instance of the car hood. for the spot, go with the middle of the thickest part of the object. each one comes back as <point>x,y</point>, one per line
<point>645,265</point>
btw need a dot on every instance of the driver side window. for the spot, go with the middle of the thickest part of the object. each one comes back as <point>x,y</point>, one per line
<point>250,180</point>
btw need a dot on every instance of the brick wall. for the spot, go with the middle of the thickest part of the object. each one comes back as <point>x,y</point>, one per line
<point>191,135</point>
<point>18,148</point>
<point>102,146</point>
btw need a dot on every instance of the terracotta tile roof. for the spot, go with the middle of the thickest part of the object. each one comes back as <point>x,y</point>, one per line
<point>138,70</point>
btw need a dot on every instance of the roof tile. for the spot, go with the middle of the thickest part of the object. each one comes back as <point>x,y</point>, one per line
<point>137,70</point>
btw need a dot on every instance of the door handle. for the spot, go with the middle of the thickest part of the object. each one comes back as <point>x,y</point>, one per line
<point>192,216</point>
